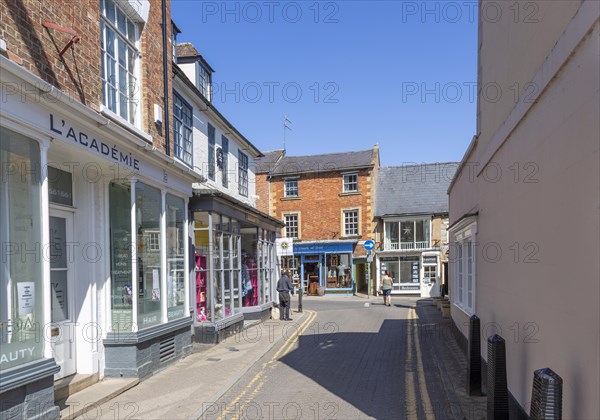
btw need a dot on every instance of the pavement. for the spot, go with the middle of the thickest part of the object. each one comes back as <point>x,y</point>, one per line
<point>197,386</point>
<point>187,388</point>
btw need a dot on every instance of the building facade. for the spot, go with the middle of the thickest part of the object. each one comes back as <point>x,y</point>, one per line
<point>326,204</point>
<point>235,267</point>
<point>94,219</point>
<point>411,232</point>
<point>524,203</point>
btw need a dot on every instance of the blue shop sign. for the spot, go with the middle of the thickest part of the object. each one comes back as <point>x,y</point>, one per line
<point>323,248</point>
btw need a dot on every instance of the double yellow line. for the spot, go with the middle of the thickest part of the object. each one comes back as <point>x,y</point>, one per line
<point>258,381</point>
<point>412,333</point>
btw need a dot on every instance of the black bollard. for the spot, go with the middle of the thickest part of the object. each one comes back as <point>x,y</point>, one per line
<point>300,293</point>
<point>546,397</point>
<point>474,366</point>
<point>497,395</point>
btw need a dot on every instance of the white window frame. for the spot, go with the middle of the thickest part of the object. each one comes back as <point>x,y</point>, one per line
<point>346,212</point>
<point>183,147</point>
<point>205,82</point>
<point>286,190</point>
<point>242,173</point>
<point>285,218</point>
<point>131,89</point>
<point>463,261</point>
<point>387,243</point>
<point>346,183</point>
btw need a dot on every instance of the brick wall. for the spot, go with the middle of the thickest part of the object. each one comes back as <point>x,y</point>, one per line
<point>321,202</point>
<point>262,190</point>
<point>78,71</point>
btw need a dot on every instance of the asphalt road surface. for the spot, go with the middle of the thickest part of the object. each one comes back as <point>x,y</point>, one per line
<point>348,358</point>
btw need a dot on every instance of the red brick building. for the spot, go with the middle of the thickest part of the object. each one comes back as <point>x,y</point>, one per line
<point>90,174</point>
<point>326,202</point>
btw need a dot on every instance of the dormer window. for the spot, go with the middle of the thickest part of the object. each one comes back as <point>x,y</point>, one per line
<point>204,81</point>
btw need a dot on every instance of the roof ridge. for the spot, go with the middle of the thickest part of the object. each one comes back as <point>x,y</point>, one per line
<point>418,164</point>
<point>332,153</point>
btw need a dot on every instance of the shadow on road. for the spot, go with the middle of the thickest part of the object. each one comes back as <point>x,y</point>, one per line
<point>389,374</point>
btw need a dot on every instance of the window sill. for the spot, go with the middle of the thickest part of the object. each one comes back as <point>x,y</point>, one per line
<point>291,198</point>
<point>351,237</point>
<point>464,310</point>
<point>125,124</point>
<point>349,193</point>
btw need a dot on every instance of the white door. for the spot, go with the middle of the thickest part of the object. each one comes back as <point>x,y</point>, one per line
<point>61,280</point>
<point>429,282</point>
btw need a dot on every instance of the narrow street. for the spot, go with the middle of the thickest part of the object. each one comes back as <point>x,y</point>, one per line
<point>353,359</point>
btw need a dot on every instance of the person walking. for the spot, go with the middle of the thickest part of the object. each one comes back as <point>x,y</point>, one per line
<point>284,287</point>
<point>387,282</point>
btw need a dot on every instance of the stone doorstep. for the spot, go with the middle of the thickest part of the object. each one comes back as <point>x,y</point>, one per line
<point>72,384</point>
<point>93,396</point>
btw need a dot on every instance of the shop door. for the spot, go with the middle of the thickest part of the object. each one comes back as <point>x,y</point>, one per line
<point>62,293</point>
<point>429,285</point>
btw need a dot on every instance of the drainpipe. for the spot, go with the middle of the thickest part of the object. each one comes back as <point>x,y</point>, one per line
<point>166,78</point>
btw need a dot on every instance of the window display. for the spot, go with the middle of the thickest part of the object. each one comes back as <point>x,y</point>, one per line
<point>120,252</point>
<point>202,241</point>
<point>149,262</point>
<point>175,213</point>
<point>21,297</point>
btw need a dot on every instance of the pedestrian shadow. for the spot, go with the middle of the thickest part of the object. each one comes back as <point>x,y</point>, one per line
<point>389,374</point>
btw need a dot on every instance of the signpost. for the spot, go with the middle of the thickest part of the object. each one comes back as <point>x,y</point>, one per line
<point>369,244</point>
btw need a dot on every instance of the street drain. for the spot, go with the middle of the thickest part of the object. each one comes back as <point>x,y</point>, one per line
<point>213,359</point>
<point>232,349</point>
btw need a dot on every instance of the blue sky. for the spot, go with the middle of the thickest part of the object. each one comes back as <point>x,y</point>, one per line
<point>347,74</point>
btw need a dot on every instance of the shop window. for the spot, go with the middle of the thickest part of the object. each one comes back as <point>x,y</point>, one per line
<point>351,222</point>
<point>392,265</point>
<point>409,270</point>
<point>243,173</point>
<point>120,57</point>
<point>350,183</point>
<point>292,225</point>
<point>251,292</point>
<point>204,290</point>
<point>290,188</point>
<point>148,203</point>
<point>182,129</point>
<point>339,271</point>
<point>175,214</point>
<point>217,258</point>
<point>21,288</point>
<point>121,257</point>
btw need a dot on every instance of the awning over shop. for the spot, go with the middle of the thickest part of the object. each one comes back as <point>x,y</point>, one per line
<point>305,248</point>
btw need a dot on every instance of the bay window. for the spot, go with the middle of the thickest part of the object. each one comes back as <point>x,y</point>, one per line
<point>143,251</point>
<point>21,287</point>
<point>407,234</point>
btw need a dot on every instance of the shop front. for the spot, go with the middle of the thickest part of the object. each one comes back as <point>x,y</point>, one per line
<point>235,265</point>
<point>413,273</point>
<point>322,266</point>
<point>93,229</point>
